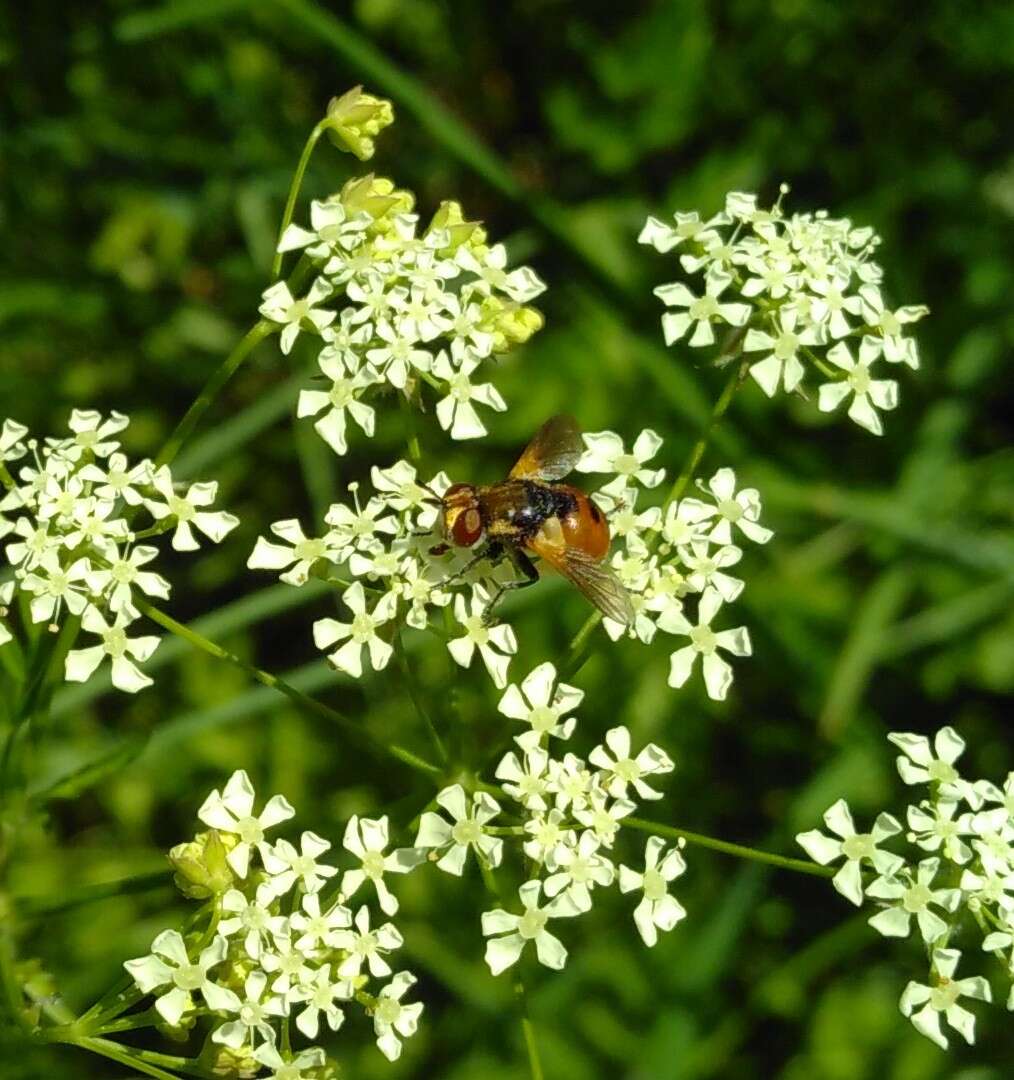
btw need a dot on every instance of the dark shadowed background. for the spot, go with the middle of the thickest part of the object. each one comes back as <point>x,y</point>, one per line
<point>146,153</point>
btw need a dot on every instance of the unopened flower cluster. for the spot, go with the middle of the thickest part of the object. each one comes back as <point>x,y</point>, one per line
<point>955,882</point>
<point>290,937</point>
<point>68,531</point>
<point>571,811</point>
<point>397,306</point>
<point>792,294</point>
<point>675,560</point>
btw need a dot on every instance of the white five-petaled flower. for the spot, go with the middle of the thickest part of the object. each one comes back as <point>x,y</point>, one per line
<point>169,965</point>
<point>855,847</point>
<point>688,228</point>
<point>701,312</point>
<point>286,865</point>
<point>253,1014</point>
<point>91,434</point>
<point>186,509</point>
<point>891,325</point>
<point>295,556</point>
<point>621,769</point>
<point>231,811</point>
<point>782,364</point>
<point>466,830</point>
<point>280,306</point>
<point>121,650</point>
<point>868,394</point>
<point>527,783</point>
<point>124,573</point>
<point>508,933</point>
<point>359,633</point>
<point>365,946</point>
<point>333,231</point>
<point>579,868</point>
<point>605,453</point>
<point>455,412</point>
<point>321,994</point>
<point>925,1005</point>
<point>704,642</point>
<point>544,709</point>
<point>909,896</point>
<point>392,1019</point>
<point>496,644</point>
<point>603,816</point>
<point>315,927</point>
<point>741,509</point>
<point>657,909</point>
<point>252,920</point>
<point>292,1068</point>
<point>366,838</point>
<point>934,827</point>
<point>923,764</point>
<point>347,387</point>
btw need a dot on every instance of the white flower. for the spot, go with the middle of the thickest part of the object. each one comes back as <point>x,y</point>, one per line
<point>521,285</point>
<point>11,440</point>
<point>6,596</point>
<point>891,325</point>
<point>366,839</point>
<point>783,364</point>
<point>455,412</point>
<point>399,355</point>
<point>253,918</point>
<point>254,1013</point>
<point>912,896</point>
<point>232,812</point>
<point>934,827</point>
<point>170,965</point>
<point>683,522</point>
<point>742,509</point>
<point>91,434</point>
<point>867,392</point>
<point>942,998</point>
<point>466,831</point>
<point>53,586</point>
<point>321,995</point>
<point>117,479</point>
<point>578,869</point>
<point>186,509</point>
<point>123,573</point>
<point>280,306</point>
<point>392,1019</point>
<point>296,555</point>
<point>572,782</point>
<point>289,965</point>
<point>528,783</point>
<point>496,644</point>
<point>286,865</point>
<point>537,704</point>
<point>364,945</point>
<point>347,387</point>
<point>516,930</point>
<point>605,453</point>
<point>316,928</point>
<point>922,764</point>
<point>701,311</point>
<point>856,848</point>
<point>706,569</point>
<point>602,816</point>
<point>549,833</point>
<point>122,651</point>
<point>657,909</point>
<point>688,227</point>
<point>704,642</point>
<point>994,840</point>
<point>621,769</point>
<point>360,632</point>
<point>333,233</point>
<point>292,1068</point>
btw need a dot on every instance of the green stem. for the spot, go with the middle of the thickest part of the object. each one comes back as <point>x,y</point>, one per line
<point>783,862</point>
<point>13,997</point>
<point>297,183</point>
<point>222,374</point>
<point>148,1018</point>
<point>304,701</point>
<point>143,1061</point>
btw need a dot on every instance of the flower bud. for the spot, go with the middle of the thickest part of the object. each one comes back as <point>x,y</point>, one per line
<point>201,867</point>
<point>450,219</point>
<point>224,1061</point>
<point>355,119</point>
<point>376,196</point>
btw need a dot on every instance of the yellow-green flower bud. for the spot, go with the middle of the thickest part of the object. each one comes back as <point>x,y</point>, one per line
<point>201,867</point>
<point>355,119</point>
<point>179,1032</point>
<point>376,196</point>
<point>224,1061</point>
<point>451,217</point>
<point>518,324</point>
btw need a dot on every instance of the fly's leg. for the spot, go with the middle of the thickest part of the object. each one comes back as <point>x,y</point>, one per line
<point>492,552</point>
<point>531,576</point>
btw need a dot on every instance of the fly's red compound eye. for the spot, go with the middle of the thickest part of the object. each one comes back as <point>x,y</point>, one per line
<point>467,527</point>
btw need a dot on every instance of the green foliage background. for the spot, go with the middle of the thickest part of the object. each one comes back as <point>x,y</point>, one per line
<point>146,152</point>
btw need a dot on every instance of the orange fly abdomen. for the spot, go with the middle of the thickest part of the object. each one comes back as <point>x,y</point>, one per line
<point>585,527</point>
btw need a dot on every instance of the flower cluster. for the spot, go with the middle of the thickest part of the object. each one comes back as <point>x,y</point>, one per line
<point>399,307</point>
<point>278,945</point>
<point>67,518</point>
<point>958,877</point>
<point>789,292</point>
<point>571,811</point>
<point>676,554</point>
<point>389,560</point>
